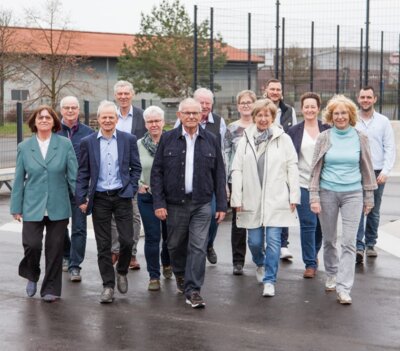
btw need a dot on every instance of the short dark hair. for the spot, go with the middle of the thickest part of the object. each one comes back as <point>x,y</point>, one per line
<point>35,113</point>
<point>368,87</point>
<point>272,80</point>
<point>310,95</point>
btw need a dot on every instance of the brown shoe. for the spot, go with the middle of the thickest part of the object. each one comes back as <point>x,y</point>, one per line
<point>114,258</point>
<point>309,273</point>
<point>134,264</point>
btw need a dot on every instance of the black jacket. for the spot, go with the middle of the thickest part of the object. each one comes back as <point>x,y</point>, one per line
<point>168,172</point>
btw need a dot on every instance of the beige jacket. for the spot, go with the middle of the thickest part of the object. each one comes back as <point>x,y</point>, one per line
<point>367,171</point>
<point>267,205</point>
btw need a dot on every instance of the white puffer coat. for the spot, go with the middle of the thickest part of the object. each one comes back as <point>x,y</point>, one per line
<point>267,205</point>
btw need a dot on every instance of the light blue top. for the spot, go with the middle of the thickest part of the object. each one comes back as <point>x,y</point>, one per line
<point>341,170</point>
<point>109,177</point>
<point>125,124</point>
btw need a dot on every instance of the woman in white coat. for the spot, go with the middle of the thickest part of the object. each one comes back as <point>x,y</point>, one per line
<point>265,189</point>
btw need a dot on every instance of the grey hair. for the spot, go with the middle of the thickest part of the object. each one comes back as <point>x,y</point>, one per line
<point>123,84</point>
<point>104,104</point>
<point>188,101</point>
<point>62,102</point>
<point>203,91</point>
<point>153,110</point>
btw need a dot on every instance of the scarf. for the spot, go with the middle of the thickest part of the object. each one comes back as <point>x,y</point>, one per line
<point>262,136</point>
<point>149,144</point>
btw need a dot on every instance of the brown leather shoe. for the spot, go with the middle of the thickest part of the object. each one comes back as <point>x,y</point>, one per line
<point>114,258</point>
<point>309,273</point>
<point>134,264</point>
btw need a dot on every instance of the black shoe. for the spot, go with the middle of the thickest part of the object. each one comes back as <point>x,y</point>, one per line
<point>237,269</point>
<point>211,255</point>
<point>107,296</point>
<point>122,283</point>
<point>360,256</point>
<point>195,300</point>
<point>180,284</point>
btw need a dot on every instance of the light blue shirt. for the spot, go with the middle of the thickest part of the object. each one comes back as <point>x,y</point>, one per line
<point>109,177</point>
<point>381,141</point>
<point>341,171</point>
<point>124,124</point>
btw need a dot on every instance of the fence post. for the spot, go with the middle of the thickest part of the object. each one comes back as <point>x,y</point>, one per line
<point>366,46</point>
<point>195,48</point>
<point>361,58</point>
<point>398,86</point>
<point>283,57</point>
<point>381,77</point>
<point>277,41</point>
<point>20,122</point>
<point>86,112</point>
<point>249,51</point>
<point>337,57</point>
<point>143,101</point>
<point>211,49</point>
<point>312,58</point>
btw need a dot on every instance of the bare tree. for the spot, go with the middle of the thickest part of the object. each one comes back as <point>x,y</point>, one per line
<point>52,48</point>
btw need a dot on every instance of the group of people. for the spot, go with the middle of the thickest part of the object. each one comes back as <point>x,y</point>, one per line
<point>273,172</point>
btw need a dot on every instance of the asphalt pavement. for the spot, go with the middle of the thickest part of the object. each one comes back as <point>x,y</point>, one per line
<point>302,316</point>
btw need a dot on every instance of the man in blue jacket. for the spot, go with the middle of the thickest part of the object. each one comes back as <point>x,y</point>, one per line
<point>108,175</point>
<point>74,248</point>
<point>188,169</point>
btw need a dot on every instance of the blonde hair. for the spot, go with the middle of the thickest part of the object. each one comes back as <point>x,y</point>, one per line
<point>264,104</point>
<point>336,101</point>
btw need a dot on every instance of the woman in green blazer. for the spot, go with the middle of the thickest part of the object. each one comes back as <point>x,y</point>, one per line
<point>46,170</point>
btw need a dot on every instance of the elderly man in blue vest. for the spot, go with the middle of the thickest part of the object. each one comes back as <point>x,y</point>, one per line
<point>285,117</point>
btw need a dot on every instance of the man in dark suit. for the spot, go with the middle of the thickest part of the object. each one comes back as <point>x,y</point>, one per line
<point>109,171</point>
<point>130,120</point>
<point>188,170</point>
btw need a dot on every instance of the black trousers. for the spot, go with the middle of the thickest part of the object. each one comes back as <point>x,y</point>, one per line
<point>104,206</point>
<point>32,240</point>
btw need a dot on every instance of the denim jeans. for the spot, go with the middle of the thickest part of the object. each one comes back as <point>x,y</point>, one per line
<point>372,222</point>
<point>212,232</point>
<point>310,231</point>
<point>272,251</point>
<point>74,248</point>
<point>154,229</point>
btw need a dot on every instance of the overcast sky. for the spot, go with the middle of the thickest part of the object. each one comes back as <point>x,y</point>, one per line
<point>123,16</point>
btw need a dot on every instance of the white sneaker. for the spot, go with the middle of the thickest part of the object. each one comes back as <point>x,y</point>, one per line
<point>285,253</point>
<point>269,290</point>
<point>344,298</point>
<point>330,283</point>
<point>260,272</point>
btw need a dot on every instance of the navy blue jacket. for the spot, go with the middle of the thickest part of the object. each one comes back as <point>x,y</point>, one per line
<point>168,172</point>
<point>296,133</point>
<point>83,131</point>
<point>89,167</point>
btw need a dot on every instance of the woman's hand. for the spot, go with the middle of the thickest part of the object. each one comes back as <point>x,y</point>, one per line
<point>238,209</point>
<point>143,189</point>
<point>367,209</point>
<point>17,217</point>
<point>315,207</point>
<point>292,207</point>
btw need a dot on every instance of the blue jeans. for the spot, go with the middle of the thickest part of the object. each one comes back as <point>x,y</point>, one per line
<point>154,229</point>
<point>372,222</point>
<point>212,232</point>
<point>310,231</point>
<point>272,252</point>
<point>74,248</point>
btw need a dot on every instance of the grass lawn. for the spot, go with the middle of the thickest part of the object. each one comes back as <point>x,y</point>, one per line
<point>10,130</point>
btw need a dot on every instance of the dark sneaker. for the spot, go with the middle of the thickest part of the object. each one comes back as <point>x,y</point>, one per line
<point>195,300</point>
<point>107,296</point>
<point>180,284</point>
<point>360,256</point>
<point>122,283</point>
<point>167,272</point>
<point>211,255</point>
<point>237,269</point>
<point>371,252</point>
<point>75,275</point>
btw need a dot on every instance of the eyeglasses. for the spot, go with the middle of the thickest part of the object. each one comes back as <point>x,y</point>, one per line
<point>189,113</point>
<point>154,121</point>
<point>245,103</point>
<point>73,108</point>
<point>47,117</point>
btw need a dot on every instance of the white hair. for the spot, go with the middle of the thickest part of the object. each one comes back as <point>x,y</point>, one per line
<point>189,101</point>
<point>203,92</point>
<point>123,84</point>
<point>153,110</point>
<point>62,102</point>
<point>104,104</point>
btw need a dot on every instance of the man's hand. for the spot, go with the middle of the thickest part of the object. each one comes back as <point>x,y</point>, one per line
<point>83,207</point>
<point>219,216</point>
<point>315,207</point>
<point>161,214</point>
<point>292,207</point>
<point>367,209</point>
<point>143,189</point>
<point>381,179</point>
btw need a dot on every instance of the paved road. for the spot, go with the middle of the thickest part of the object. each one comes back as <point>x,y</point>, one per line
<point>300,317</point>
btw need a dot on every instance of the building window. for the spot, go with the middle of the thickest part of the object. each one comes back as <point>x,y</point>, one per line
<point>19,95</point>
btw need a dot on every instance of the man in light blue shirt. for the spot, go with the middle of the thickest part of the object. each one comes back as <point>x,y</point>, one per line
<point>383,151</point>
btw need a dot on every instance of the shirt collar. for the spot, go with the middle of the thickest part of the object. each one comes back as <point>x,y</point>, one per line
<point>130,113</point>
<point>100,135</point>
<point>184,133</point>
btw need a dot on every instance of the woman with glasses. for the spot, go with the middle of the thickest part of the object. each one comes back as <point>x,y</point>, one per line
<point>46,170</point>
<point>234,133</point>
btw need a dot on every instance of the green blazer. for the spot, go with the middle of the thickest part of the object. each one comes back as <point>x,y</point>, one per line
<point>43,184</point>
